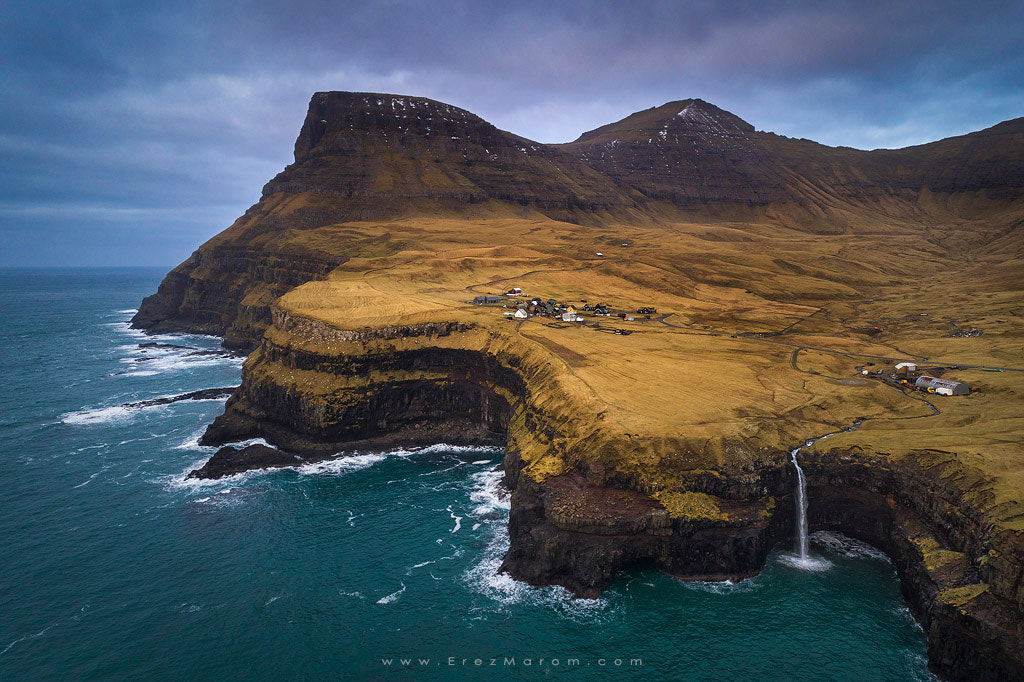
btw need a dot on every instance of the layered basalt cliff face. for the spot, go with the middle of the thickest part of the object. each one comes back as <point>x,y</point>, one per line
<point>314,390</point>
<point>227,291</point>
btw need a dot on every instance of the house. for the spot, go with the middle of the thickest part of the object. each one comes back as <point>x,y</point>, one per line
<point>521,314</point>
<point>514,291</point>
<point>570,309</point>
<point>569,316</point>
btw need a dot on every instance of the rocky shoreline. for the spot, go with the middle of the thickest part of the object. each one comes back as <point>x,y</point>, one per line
<point>579,527</point>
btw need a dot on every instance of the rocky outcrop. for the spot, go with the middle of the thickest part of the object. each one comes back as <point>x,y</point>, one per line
<point>229,460</point>
<point>204,394</point>
<point>226,290</point>
<point>566,532</point>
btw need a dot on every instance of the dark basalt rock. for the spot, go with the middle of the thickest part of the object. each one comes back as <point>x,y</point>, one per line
<point>204,394</point>
<point>210,302</point>
<point>566,533</point>
<point>230,460</point>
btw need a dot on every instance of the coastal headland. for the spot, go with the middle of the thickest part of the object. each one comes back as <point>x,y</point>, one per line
<point>649,320</point>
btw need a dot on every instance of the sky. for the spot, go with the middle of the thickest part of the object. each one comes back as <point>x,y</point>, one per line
<point>131,132</point>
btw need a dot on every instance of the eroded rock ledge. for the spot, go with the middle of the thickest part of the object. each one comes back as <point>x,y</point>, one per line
<point>580,513</point>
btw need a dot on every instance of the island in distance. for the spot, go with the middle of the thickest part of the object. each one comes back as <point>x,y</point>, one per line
<point>649,320</point>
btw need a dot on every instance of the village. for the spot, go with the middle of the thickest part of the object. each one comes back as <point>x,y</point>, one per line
<point>526,308</point>
<point>517,306</point>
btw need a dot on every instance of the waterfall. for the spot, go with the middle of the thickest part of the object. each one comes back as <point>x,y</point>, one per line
<point>801,498</point>
<point>801,507</point>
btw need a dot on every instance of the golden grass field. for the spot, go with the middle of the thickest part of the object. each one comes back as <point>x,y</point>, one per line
<point>699,381</point>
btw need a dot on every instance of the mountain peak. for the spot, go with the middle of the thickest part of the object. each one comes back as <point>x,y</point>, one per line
<point>658,124</point>
<point>337,120</point>
<point>686,151</point>
<point>394,153</point>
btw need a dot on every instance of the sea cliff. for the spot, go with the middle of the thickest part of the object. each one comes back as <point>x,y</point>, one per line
<point>578,518</point>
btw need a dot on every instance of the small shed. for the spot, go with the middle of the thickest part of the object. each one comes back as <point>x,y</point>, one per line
<point>521,314</point>
<point>954,387</point>
<point>905,368</point>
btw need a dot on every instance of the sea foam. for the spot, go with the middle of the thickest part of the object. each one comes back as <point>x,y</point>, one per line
<point>846,546</point>
<point>493,502</point>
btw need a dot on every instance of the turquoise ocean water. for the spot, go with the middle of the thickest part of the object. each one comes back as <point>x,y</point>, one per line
<point>113,566</point>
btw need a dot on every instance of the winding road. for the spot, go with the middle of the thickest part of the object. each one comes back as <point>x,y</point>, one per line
<point>799,347</point>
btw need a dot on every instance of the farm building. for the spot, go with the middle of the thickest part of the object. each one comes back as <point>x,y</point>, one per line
<point>942,386</point>
<point>905,368</point>
<point>521,314</point>
<point>480,300</point>
<point>514,291</point>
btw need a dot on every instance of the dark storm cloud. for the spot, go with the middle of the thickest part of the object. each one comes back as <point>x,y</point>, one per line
<point>132,131</point>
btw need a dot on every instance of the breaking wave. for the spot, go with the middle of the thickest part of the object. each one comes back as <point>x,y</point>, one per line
<point>501,590</point>
<point>121,413</point>
<point>392,597</point>
<point>97,415</point>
